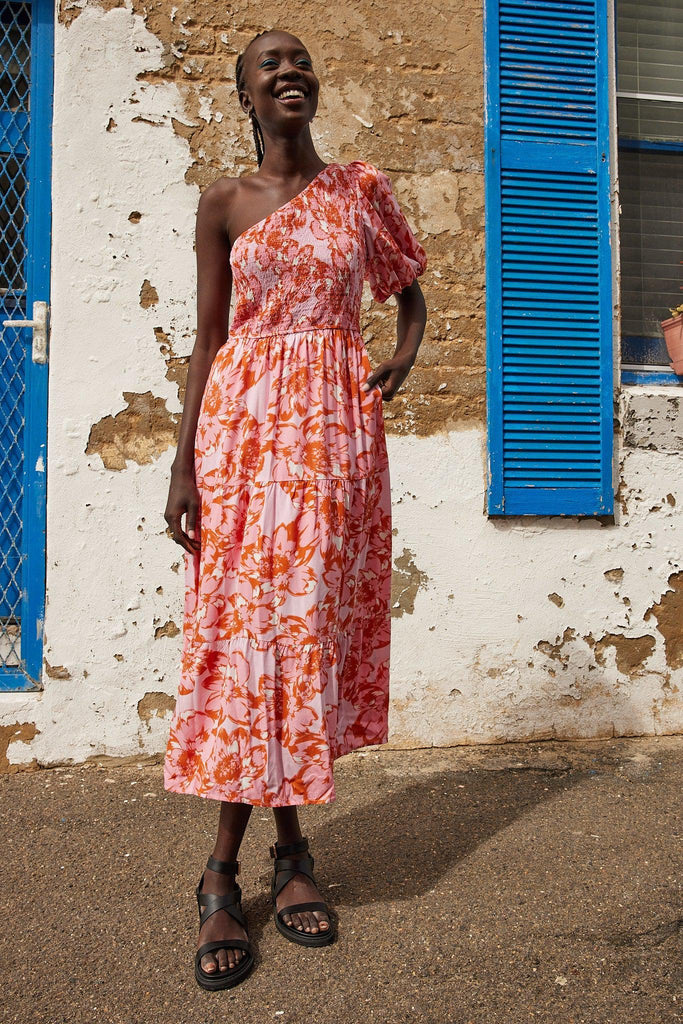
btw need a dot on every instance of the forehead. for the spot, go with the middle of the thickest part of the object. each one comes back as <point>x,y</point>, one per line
<point>275,43</point>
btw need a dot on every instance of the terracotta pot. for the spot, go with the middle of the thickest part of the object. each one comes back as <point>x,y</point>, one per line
<point>673,336</point>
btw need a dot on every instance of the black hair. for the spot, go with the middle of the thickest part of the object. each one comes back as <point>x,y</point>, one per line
<point>259,140</point>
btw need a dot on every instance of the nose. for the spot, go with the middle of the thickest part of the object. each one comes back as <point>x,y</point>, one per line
<point>289,70</point>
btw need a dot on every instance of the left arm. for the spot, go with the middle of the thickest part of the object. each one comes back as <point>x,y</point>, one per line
<point>410,325</point>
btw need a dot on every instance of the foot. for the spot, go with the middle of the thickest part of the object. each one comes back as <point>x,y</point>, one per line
<point>300,889</point>
<point>220,925</point>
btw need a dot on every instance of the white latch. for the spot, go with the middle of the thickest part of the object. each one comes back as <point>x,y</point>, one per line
<point>39,325</point>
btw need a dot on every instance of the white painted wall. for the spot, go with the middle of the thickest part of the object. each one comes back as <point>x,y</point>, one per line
<point>466,667</point>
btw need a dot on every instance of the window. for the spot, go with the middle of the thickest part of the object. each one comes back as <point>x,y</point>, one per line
<point>650,133</point>
<point>549,319</point>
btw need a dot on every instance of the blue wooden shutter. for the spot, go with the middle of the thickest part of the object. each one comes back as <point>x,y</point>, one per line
<point>548,258</point>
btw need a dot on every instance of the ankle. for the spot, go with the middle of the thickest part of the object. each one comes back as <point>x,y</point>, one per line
<point>219,880</point>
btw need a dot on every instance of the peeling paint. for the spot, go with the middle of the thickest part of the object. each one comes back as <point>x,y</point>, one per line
<point>176,366</point>
<point>168,629</point>
<point>406,580</point>
<point>148,295</point>
<point>155,705</point>
<point>555,651</point>
<point>668,612</point>
<point>139,433</point>
<point>56,671</point>
<point>19,732</point>
<point>631,652</point>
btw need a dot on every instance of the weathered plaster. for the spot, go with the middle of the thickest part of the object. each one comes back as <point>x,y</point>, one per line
<point>403,90</point>
<point>405,582</point>
<point>18,733</point>
<point>668,613</point>
<point>504,629</point>
<point>139,433</point>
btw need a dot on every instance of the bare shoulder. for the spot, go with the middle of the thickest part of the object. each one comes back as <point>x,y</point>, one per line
<point>218,196</point>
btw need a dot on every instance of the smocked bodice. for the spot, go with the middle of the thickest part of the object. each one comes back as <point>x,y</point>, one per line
<point>303,266</point>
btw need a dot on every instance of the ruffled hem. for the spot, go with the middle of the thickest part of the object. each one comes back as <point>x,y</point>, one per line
<point>195,786</point>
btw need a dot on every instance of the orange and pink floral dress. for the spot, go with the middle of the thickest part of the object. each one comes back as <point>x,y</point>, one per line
<point>286,631</point>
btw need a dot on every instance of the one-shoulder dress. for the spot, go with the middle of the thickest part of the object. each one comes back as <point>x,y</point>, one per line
<point>286,624</point>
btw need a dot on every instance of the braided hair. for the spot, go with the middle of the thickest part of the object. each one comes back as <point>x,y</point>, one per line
<point>259,140</point>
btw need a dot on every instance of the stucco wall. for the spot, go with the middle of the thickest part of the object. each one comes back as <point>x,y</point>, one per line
<point>502,629</point>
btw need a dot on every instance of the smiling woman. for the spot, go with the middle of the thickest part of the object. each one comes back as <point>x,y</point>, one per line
<point>295,95</point>
<point>282,476</point>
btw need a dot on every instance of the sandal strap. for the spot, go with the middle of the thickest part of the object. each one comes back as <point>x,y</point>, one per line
<point>223,867</point>
<point>285,869</point>
<point>286,850</point>
<point>303,865</point>
<point>209,903</point>
<point>297,908</point>
<point>209,947</point>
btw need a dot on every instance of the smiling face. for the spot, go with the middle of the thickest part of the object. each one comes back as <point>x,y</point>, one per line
<point>279,84</point>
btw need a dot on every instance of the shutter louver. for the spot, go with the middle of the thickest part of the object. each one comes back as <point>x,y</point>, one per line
<point>548,260</point>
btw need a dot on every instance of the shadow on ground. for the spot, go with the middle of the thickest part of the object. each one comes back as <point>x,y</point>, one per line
<point>507,883</point>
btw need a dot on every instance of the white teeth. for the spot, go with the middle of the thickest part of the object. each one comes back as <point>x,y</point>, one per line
<point>290,92</point>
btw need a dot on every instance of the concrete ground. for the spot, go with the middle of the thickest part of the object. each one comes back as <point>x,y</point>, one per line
<point>474,885</point>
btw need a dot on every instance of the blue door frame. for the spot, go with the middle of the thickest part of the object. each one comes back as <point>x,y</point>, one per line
<point>26,136</point>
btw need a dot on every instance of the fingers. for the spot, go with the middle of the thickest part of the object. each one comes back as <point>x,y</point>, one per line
<point>189,540</point>
<point>180,537</point>
<point>191,521</point>
<point>388,377</point>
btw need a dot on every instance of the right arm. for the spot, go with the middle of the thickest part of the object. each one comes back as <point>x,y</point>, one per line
<point>214,288</point>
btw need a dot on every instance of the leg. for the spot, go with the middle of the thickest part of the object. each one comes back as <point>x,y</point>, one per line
<point>299,889</point>
<point>232,823</point>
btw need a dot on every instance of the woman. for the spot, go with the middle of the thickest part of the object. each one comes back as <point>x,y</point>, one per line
<point>281,473</point>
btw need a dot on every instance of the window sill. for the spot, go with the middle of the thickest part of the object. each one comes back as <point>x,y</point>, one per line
<point>650,375</point>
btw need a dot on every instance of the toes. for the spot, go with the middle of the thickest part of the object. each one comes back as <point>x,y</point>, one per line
<point>208,963</point>
<point>297,922</point>
<point>311,924</point>
<point>223,957</point>
<point>323,922</point>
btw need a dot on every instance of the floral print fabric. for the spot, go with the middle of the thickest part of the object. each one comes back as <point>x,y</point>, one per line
<point>286,629</point>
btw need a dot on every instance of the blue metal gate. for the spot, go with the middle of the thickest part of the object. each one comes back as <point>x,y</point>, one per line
<point>26,62</point>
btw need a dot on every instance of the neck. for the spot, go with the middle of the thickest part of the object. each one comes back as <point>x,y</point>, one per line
<point>288,158</point>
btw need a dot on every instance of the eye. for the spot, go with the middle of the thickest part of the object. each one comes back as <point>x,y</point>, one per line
<point>267,61</point>
<point>305,61</point>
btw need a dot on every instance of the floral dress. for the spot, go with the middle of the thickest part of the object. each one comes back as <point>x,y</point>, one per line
<point>286,629</point>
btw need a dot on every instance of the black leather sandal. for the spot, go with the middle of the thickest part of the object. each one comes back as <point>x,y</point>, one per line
<point>286,867</point>
<point>208,903</point>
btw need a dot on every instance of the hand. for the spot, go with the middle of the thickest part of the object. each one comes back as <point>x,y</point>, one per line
<point>183,499</point>
<point>389,375</point>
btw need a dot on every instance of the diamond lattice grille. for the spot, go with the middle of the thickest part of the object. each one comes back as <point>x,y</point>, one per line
<point>15,51</point>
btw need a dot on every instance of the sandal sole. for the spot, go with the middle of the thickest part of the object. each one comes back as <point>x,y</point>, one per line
<point>227,979</point>
<point>304,938</point>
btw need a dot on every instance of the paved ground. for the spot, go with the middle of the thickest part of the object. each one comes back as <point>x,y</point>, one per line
<point>474,885</point>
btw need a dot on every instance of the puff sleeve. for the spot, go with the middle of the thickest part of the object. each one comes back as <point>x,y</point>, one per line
<point>394,257</point>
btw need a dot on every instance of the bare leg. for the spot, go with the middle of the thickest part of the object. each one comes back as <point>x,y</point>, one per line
<point>300,889</point>
<point>232,823</point>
